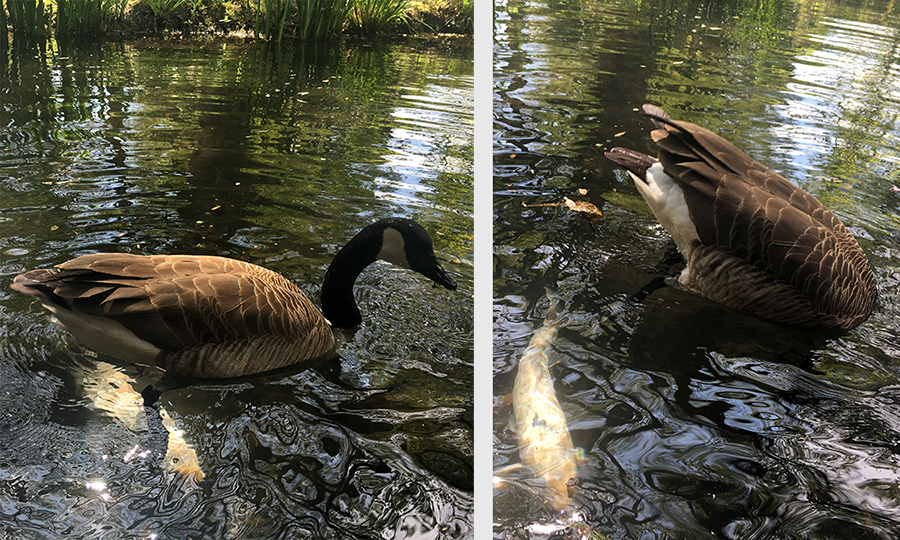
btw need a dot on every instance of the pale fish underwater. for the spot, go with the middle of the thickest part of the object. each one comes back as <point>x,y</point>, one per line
<point>545,445</point>
<point>111,391</point>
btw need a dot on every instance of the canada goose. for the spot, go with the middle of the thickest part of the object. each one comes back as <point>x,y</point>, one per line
<point>212,317</point>
<point>752,240</point>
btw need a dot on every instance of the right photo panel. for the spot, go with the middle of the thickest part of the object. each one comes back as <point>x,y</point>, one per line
<point>696,208</point>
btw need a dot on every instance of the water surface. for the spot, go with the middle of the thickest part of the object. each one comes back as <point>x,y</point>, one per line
<point>273,154</point>
<point>695,421</point>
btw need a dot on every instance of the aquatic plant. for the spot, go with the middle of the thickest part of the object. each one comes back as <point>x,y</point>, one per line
<point>373,16</point>
<point>319,18</point>
<point>162,8</point>
<point>308,19</point>
<point>28,17</point>
<point>86,17</point>
<point>270,19</point>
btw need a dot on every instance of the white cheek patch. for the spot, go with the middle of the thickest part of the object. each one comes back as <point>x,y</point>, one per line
<point>393,248</point>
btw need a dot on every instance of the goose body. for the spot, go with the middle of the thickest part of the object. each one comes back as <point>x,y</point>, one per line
<point>751,239</point>
<point>213,317</point>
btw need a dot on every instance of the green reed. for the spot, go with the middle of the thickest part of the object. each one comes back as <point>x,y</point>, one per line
<point>78,18</point>
<point>28,17</point>
<point>163,7</point>
<point>4,38</point>
<point>372,16</point>
<point>305,19</point>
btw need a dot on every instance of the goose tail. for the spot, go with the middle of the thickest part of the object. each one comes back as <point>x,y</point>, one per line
<point>662,193</point>
<point>634,162</point>
<point>658,116</point>
<point>34,283</point>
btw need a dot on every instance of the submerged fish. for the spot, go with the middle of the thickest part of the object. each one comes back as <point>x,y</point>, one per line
<point>111,391</point>
<point>545,445</point>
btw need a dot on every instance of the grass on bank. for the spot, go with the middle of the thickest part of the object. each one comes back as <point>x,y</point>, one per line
<point>269,19</point>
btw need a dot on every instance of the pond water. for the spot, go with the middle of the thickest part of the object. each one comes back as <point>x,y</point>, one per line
<point>274,154</point>
<point>695,421</point>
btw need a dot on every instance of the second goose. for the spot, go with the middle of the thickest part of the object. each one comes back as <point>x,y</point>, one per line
<point>212,317</point>
<point>752,240</point>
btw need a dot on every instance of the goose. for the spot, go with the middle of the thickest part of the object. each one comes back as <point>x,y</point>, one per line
<point>752,240</point>
<point>211,317</point>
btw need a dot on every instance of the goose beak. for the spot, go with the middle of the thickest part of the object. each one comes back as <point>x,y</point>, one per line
<point>437,274</point>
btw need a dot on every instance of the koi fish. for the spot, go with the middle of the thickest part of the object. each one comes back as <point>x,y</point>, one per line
<point>110,391</point>
<point>545,445</point>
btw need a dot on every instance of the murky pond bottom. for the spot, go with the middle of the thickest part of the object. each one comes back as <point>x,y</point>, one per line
<point>694,421</point>
<point>273,154</point>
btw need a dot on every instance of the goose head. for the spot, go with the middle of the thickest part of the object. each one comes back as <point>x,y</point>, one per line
<point>399,241</point>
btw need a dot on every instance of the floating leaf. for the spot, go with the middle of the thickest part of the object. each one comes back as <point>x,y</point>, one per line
<point>587,209</point>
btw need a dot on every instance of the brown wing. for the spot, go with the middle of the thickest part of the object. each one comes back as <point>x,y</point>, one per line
<point>741,205</point>
<point>196,309</point>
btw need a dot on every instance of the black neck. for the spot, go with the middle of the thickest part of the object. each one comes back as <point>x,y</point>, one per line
<point>338,304</point>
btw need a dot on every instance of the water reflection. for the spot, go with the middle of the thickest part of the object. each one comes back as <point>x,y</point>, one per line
<point>266,153</point>
<point>695,421</point>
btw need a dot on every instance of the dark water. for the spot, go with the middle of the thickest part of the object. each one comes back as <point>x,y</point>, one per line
<point>696,422</point>
<point>272,154</point>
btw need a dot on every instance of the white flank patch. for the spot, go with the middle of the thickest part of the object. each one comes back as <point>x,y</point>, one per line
<point>666,199</point>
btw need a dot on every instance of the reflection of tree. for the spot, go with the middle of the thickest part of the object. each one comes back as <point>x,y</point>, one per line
<point>50,116</point>
<point>324,100</point>
<point>862,123</point>
<point>222,138</point>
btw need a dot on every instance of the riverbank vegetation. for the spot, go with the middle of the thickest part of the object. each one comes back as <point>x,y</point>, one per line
<point>266,19</point>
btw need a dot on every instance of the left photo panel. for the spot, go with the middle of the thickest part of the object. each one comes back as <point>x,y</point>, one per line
<point>236,248</point>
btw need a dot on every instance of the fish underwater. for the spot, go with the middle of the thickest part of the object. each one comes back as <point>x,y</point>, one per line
<point>545,445</point>
<point>110,390</point>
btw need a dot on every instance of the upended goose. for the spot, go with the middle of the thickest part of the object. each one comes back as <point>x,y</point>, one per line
<point>752,240</point>
<point>212,317</point>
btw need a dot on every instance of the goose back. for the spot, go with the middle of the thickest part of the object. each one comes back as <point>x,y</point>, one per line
<point>198,316</point>
<point>762,245</point>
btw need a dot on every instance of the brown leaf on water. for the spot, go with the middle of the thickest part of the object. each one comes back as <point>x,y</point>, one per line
<point>586,209</point>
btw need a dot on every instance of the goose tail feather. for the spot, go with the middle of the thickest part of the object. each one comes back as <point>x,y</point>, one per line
<point>658,116</point>
<point>633,161</point>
